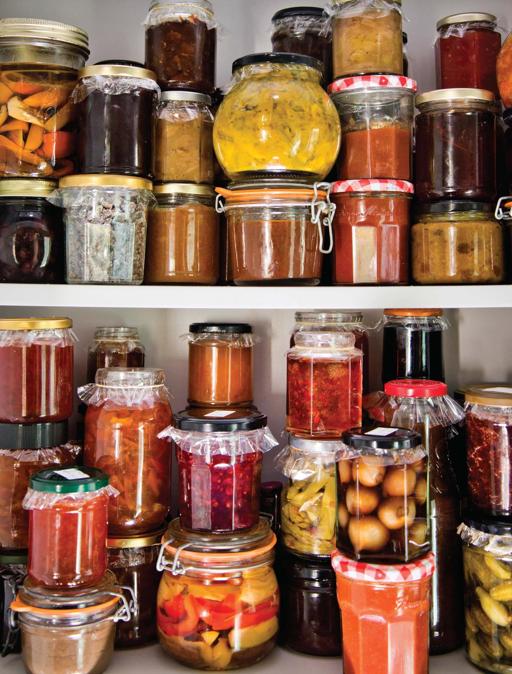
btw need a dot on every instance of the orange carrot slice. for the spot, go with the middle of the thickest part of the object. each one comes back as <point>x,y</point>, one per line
<point>5,93</point>
<point>16,137</point>
<point>51,98</point>
<point>21,154</point>
<point>15,125</point>
<point>34,138</point>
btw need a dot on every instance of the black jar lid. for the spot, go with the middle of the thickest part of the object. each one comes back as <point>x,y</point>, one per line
<point>487,524</point>
<point>221,328</point>
<point>454,206</point>
<point>301,567</point>
<point>380,437</point>
<point>299,11</point>
<point>277,57</point>
<point>219,421</point>
<point>120,62</point>
<point>33,436</point>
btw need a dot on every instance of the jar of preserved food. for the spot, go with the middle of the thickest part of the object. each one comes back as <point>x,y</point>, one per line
<point>115,102</point>
<point>39,61</point>
<point>218,600</point>
<point>308,503</point>
<point>181,41</point>
<point>183,149</point>
<point>183,236</point>
<point>324,384</point>
<point>270,503</point>
<point>503,73</point>
<point>105,219</point>
<point>276,120</point>
<point>276,234</point>
<point>13,569</point>
<point>220,359</point>
<point>127,408</point>
<point>371,232</point>
<point>456,145</point>
<point>31,233</point>
<point>507,151</point>
<point>114,347</point>
<point>384,612</point>
<point>367,37</point>
<point>413,344</point>
<point>67,542</point>
<point>466,51</point>
<point>405,40</point>
<point>376,114</point>
<point>25,450</point>
<point>457,242</point>
<point>304,30</point>
<point>36,362</point>
<point>133,562</point>
<point>310,616</point>
<point>220,455</point>
<point>382,496</point>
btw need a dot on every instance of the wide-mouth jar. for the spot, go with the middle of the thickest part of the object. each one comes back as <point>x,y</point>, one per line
<point>226,582</point>
<point>117,346</point>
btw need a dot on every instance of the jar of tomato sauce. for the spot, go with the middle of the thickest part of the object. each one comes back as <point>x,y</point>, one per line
<point>36,362</point>
<point>67,542</point>
<point>127,409</point>
<point>371,232</point>
<point>385,614</point>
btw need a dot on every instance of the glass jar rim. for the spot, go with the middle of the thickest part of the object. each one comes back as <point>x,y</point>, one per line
<point>329,316</point>
<point>466,17</point>
<point>117,331</point>
<point>44,29</point>
<point>135,542</point>
<point>324,339</point>
<point>185,96</point>
<point>130,377</point>
<point>267,195</point>
<point>489,396</point>
<point>284,58</point>
<point>463,97</point>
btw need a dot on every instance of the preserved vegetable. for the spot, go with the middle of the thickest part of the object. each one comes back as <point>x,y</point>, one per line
<point>114,347</point>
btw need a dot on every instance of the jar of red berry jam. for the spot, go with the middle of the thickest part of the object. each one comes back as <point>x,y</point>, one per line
<point>219,454</point>
<point>324,384</point>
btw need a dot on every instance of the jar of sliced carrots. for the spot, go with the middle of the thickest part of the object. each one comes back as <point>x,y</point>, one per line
<point>39,63</point>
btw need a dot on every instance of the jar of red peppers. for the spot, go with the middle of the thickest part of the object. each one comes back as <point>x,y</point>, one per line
<point>67,544</point>
<point>114,347</point>
<point>220,455</point>
<point>127,409</point>
<point>36,362</point>
<point>218,600</point>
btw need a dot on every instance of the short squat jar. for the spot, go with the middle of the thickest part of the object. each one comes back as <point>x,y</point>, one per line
<point>114,347</point>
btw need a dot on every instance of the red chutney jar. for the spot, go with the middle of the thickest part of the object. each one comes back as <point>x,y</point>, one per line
<point>220,455</point>
<point>67,534</point>
<point>466,52</point>
<point>36,362</point>
<point>324,384</point>
<point>371,232</point>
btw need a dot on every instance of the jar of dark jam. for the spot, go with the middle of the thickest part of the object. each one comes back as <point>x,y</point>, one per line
<point>412,344</point>
<point>310,615</point>
<point>13,569</point>
<point>181,40</point>
<point>31,233</point>
<point>456,145</point>
<point>115,103</point>
<point>304,30</point>
<point>507,118</point>
<point>114,347</point>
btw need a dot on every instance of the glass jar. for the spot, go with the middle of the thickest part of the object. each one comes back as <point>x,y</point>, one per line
<point>384,613</point>
<point>304,30</point>
<point>127,409</point>
<point>39,61</point>
<point>367,37</point>
<point>507,151</point>
<point>466,51</point>
<point>371,232</point>
<point>184,138</point>
<point>36,362</point>
<point>31,233</point>
<point>224,583</point>
<point>24,451</point>
<point>308,503</point>
<point>376,114</point>
<point>114,347</point>
<point>503,73</point>
<point>413,344</point>
<point>324,385</point>
<point>13,569</point>
<point>457,242</point>
<point>133,562</point>
<point>220,361</point>
<point>220,456</point>
<point>310,616</point>
<point>276,120</point>
<point>405,40</point>
<point>115,102</point>
<point>105,219</point>
<point>382,496</point>
<point>456,145</point>
<point>181,41</point>
<point>270,503</point>
<point>183,236</point>
<point>67,541</point>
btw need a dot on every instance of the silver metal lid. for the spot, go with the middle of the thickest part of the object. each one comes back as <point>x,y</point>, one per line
<point>42,29</point>
<point>467,17</point>
<point>192,96</point>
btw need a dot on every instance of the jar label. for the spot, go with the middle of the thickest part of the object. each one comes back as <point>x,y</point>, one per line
<point>71,474</point>
<point>219,414</point>
<point>382,431</point>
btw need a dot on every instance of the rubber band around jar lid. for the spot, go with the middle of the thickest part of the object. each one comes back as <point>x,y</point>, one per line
<point>215,557</point>
<point>19,606</point>
<point>267,194</point>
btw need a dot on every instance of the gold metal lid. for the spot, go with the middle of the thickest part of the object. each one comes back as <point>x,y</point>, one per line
<point>102,180</point>
<point>413,313</point>
<point>446,95</point>
<point>113,70</point>
<point>42,29</point>
<point>145,541</point>
<point>467,17</point>
<point>35,323</point>
<point>19,187</point>
<point>489,394</point>
<point>184,188</point>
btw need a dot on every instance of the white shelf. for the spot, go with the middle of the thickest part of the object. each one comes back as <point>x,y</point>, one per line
<point>255,297</point>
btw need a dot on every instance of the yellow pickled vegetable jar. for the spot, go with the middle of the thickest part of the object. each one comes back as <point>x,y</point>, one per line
<point>277,120</point>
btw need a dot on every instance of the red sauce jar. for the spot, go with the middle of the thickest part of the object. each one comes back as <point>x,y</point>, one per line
<point>36,362</point>
<point>371,232</point>
<point>466,51</point>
